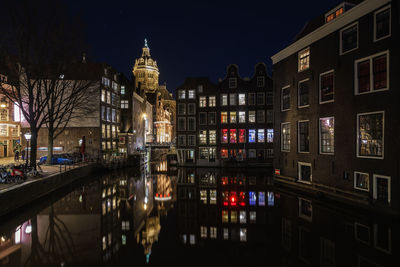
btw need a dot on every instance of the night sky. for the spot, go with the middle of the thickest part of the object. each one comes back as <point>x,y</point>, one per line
<point>193,39</point>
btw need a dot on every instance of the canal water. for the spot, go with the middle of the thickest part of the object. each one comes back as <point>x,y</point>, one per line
<point>193,217</point>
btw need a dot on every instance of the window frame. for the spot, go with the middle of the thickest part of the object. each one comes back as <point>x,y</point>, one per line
<point>188,108</point>
<point>341,40</point>
<point>194,94</point>
<point>285,87</point>
<point>320,136</point>
<point>302,215</point>
<point>320,94</point>
<point>299,164</point>
<point>189,136</point>
<point>227,100</point>
<point>390,22</point>
<point>206,116</point>
<point>298,59</point>
<point>281,137</point>
<point>214,102</point>
<point>182,96</point>
<point>232,82</point>
<point>358,134</point>
<point>355,182</point>
<point>298,136</point>
<point>202,100</point>
<point>374,176</point>
<point>298,93</point>
<point>371,72</point>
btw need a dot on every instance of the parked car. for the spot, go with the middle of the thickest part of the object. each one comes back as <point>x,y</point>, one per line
<point>57,159</point>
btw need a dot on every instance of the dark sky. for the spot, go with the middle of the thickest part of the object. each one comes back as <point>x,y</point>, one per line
<point>194,38</point>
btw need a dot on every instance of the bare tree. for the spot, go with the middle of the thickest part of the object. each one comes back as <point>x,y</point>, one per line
<point>45,43</point>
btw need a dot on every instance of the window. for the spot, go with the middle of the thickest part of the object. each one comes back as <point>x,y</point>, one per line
<point>303,136</point>
<point>224,117</point>
<point>203,229</point>
<point>252,99</point>
<point>261,198</point>
<point>191,140</point>
<point>232,116</point>
<point>361,233</point>
<point>122,89</point>
<point>232,82</point>
<point>182,140</point>
<point>260,99</point>
<point>252,116</point>
<point>242,99</point>
<point>382,189</point>
<point>252,198</point>
<point>260,116</point>
<point>382,26</point>
<point>382,237</point>
<point>326,87</point>
<point>242,216</point>
<point>4,114</point>
<point>203,137</point>
<point>270,98</point>
<point>200,88</point>
<point>203,101</point>
<point>103,95</point>
<point>349,38</point>
<point>212,120</point>
<point>252,153</point>
<point>242,135</point>
<point>202,118</point>
<point>226,233</point>
<point>242,116</point>
<point>305,209</point>
<point>260,81</point>
<point>327,253</point>
<point>327,135</point>
<point>243,234</point>
<point>191,124</point>
<point>192,239</point>
<point>213,196</point>
<point>304,174</point>
<point>371,74</point>
<point>181,94</point>
<point>212,137</point>
<point>252,136</point>
<point>370,135</point>
<point>213,232</point>
<point>303,93</point>
<point>191,109</point>
<point>224,136</point>
<point>253,216</point>
<point>224,153</point>
<point>203,151</point>
<point>232,99</point>
<point>3,130</point>
<point>285,137</point>
<point>285,98</point>
<point>233,216</point>
<point>124,104</point>
<point>191,94</point>
<point>261,136</point>
<point>270,135</point>
<point>224,100</point>
<point>304,59</point>
<point>181,109</point>
<point>232,136</point>
<point>333,15</point>
<point>211,101</point>
<point>361,181</point>
<point>181,124</point>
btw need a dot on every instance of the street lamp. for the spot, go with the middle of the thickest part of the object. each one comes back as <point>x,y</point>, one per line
<point>28,136</point>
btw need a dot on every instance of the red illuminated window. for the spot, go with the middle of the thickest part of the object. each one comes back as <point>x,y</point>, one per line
<point>233,198</point>
<point>224,136</point>
<point>242,199</point>
<point>225,198</point>
<point>224,180</point>
<point>232,136</point>
<point>224,153</point>
<point>233,153</point>
<point>242,136</point>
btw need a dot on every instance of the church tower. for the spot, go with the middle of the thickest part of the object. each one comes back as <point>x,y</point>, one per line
<point>146,71</point>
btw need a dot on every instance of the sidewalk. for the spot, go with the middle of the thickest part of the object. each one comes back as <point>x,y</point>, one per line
<point>43,170</point>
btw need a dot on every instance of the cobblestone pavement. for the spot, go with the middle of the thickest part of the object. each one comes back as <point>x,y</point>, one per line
<point>43,170</point>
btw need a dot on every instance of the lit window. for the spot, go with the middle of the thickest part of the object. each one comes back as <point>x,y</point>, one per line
<point>303,93</point>
<point>181,109</point>
<point>349,38</point>
<point>372,73</point>
<point>285,137</point>
<point>191,94</point>
<point>124,104</point>
<point>382,24</point>
<point>303,135</point>
<point>181,94</point>
<point>203,137</point>
<point>243,234</point>
<point>17,113</point>
<point>224,136</point>
<point>252,198</point>
<point>224,153</point>
<point>203,101</point>
<point>327,135</point>
<point>261,136</point>
<point>242,135</point>
<point>253,216</point>
<point>225,216</point>
<point>242,116</point>
<point>122,89</point>
<point>305,209</point>
<point>271,198</point>
<point>361,181</point>
<point>213,196</point>
<point>261,198</point>
<point>211,101</point>
<point>304,59</point>
<point>252,116</point>
<point>270,135</point>
<point>212,136</point>
<point>232,116</point>
<point>203,153</point>
<point>233,216</point>
<point>224,100</point>
<point>242,99</point>
<point>224,117</point>
<point>326,87</point>
<point>232,136</point>
<point>232,99</point>
<point>203,196</point>
<point>252,136</point>
<point>226,233</point>
<point>370,134</point>
<point>213,232</point>
<point>304,172</point>
<point>192,239</point>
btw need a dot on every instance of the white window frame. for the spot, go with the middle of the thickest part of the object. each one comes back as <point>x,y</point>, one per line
<point>298,59</point>
<point>358,134</point>
<point>320,136</point>
<point>254,98</point>
<point>189,119</point>
<point>282,136</point>
<point>299,164</point>
<point>298,93</point>
<point>227,100</point>
<point>201,98</point>
<point>214,102</point>
<point>375,193</point>
<point>298,137</point>
<point>184,140</point>
<point>183,96</point>
<point>371,75</point>
<point>188,109</point>
<point>194,140</point>
<point>194,94</point>
<point>243,94</point>
<point>324,73</point>
<point>390,22</point>
<point>235,97</point>
<point>182,119</point>
<point>340,38</point>
<point>285,87</point>
<point>355,183</point>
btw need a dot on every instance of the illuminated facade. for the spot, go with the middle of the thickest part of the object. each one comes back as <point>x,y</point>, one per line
<point>146,71</point>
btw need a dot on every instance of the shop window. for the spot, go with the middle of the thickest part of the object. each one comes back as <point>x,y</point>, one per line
<point>224,153</point>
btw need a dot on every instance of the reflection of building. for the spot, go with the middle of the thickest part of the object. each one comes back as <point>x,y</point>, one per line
<point>230,123</point>
<point>335,113</point>
<point>146,74</point>
<point>10,118</point>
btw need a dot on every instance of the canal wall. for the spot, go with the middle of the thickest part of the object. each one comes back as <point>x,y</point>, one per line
<point>22,195</point>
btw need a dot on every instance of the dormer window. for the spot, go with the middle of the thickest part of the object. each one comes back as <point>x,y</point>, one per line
<point>260,81</point>
<point>232,82</point>
<point>304,59</point>
<point>334,14</point>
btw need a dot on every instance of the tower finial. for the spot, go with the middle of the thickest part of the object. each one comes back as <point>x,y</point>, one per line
<point>145,43</point>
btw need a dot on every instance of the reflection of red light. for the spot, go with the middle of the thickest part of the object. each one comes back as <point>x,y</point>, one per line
<point>156,194</point>
<point>242,204</point>
<point>225,203</point>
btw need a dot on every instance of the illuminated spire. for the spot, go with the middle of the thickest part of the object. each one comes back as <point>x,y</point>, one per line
<point>145,43</point>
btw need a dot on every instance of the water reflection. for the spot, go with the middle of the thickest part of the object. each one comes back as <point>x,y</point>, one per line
<point>198,217</point>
